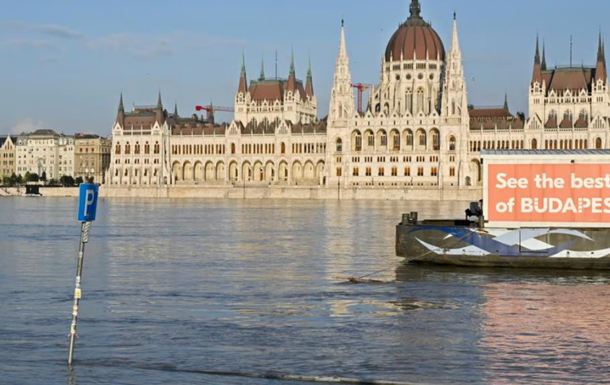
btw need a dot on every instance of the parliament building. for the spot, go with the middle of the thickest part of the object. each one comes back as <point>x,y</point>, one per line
<point>417,131</point>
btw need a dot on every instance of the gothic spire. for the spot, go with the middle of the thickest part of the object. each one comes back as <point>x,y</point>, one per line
<point>243,64</point>
<point>537,57</point>
<point>176,110</point>
<point>292,80</point>
<point>262,76</point>
<point>309,84</point>
<point>292,71</point>
<point>159,104</point>
<point>121,107</point>
<point>600,72</point>
<point>537,75</point>
<point>506,101</point>
<point>543,65</point>
<point>455,42</point>
<point>243,80</point>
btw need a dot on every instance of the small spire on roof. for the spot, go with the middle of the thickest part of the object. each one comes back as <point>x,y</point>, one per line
<point>543,65</point>
<point>262,76</point>
<point>176,109</point>
<point>121,108</point>
<point>292,71</point>
<point>537,57</point>
<point>506,101</point>
<point>243,64</point>
<point>159,104</point>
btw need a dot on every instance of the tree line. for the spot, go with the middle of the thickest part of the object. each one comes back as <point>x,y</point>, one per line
<point>64,181</point>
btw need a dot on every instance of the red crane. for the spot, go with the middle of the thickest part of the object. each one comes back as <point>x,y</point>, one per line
<point>211,109</point>
<point>361,88</point>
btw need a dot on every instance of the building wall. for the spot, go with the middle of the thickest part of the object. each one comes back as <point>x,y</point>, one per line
<point>8,152</point>
<point>48,152</point>
<point>92,157</point>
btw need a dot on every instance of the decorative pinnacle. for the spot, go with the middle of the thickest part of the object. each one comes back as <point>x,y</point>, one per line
<point>121,108</point>
<point>159,104</point>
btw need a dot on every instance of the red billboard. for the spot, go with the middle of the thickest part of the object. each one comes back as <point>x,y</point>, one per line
<point>548,194</point>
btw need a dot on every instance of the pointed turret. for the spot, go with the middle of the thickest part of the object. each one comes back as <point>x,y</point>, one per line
<point>262,75</point>
<point>537,75</point>
<point>292,79</point>
<point>309,85</point>
<point>600,71</point>
<point>121,112</point>
<point>176,110</point>
<point>243,79</point>
<point>543,64</point>
<point>506,101</point>
<point>159,115</point>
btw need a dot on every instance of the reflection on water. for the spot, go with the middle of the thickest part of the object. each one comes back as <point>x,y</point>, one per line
<point>188,287</point>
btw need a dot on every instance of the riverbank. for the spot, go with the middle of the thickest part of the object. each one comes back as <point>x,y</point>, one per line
<point>268,192</point>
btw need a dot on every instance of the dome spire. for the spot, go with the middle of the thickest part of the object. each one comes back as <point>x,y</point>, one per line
<point>415,10</point>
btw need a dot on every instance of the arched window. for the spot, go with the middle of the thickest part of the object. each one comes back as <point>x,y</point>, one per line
<point>396,140</point>
<point>409,138</point>
<point>534,144</point>
<point>409,101</point>
<point>127,148</point>
<point>283,148</point>
<point>452,143</point>
<point>157,148</point>
<point>420,100</point>
<point>147,148</point>
<point>137,148</point>
<point>339,145</point>
<point>117,149</point>
<point>598,143</point>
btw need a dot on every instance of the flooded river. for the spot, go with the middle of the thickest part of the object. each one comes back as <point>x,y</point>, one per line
<point>199,292</point>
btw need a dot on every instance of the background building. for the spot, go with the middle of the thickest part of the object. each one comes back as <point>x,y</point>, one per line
<point>45,151</point>
<point>7,156</point>
<point>91,157</point>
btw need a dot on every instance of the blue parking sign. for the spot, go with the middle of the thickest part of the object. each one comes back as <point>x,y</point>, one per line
<point>87,206</point>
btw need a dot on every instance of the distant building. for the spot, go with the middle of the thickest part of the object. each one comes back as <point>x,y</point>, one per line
<point>91,157</point>
<point>7,156</point>
<point>45,151</point>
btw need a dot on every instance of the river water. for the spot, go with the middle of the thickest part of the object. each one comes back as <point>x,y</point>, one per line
<point>195,292</point>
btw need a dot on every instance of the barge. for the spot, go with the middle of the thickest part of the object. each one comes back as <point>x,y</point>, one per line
<point>543,209</point>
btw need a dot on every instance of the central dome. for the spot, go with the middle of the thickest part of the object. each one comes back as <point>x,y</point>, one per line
<point>415,39</point>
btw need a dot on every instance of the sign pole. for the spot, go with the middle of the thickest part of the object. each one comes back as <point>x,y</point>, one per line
<point>84,238</point>
<point>86,215</point>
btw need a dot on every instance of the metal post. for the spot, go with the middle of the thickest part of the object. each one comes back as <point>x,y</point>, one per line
<point>84,238</point>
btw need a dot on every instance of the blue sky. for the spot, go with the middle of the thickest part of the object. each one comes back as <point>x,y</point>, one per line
<point>64,63</point>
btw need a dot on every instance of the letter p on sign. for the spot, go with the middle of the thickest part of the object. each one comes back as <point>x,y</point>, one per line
<point>87,206</point>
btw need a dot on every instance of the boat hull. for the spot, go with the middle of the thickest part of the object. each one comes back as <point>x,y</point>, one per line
<point>444,243</point>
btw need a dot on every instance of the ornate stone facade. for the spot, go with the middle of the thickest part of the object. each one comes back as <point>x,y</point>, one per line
<point>45,151</point>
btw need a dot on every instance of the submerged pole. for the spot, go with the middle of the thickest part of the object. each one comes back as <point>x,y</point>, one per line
<point>84,238</point>
<point>86,215</point>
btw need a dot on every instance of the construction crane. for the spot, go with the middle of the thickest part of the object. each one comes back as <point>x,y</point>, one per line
<point>211,109</point>
<point>361,88</point>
